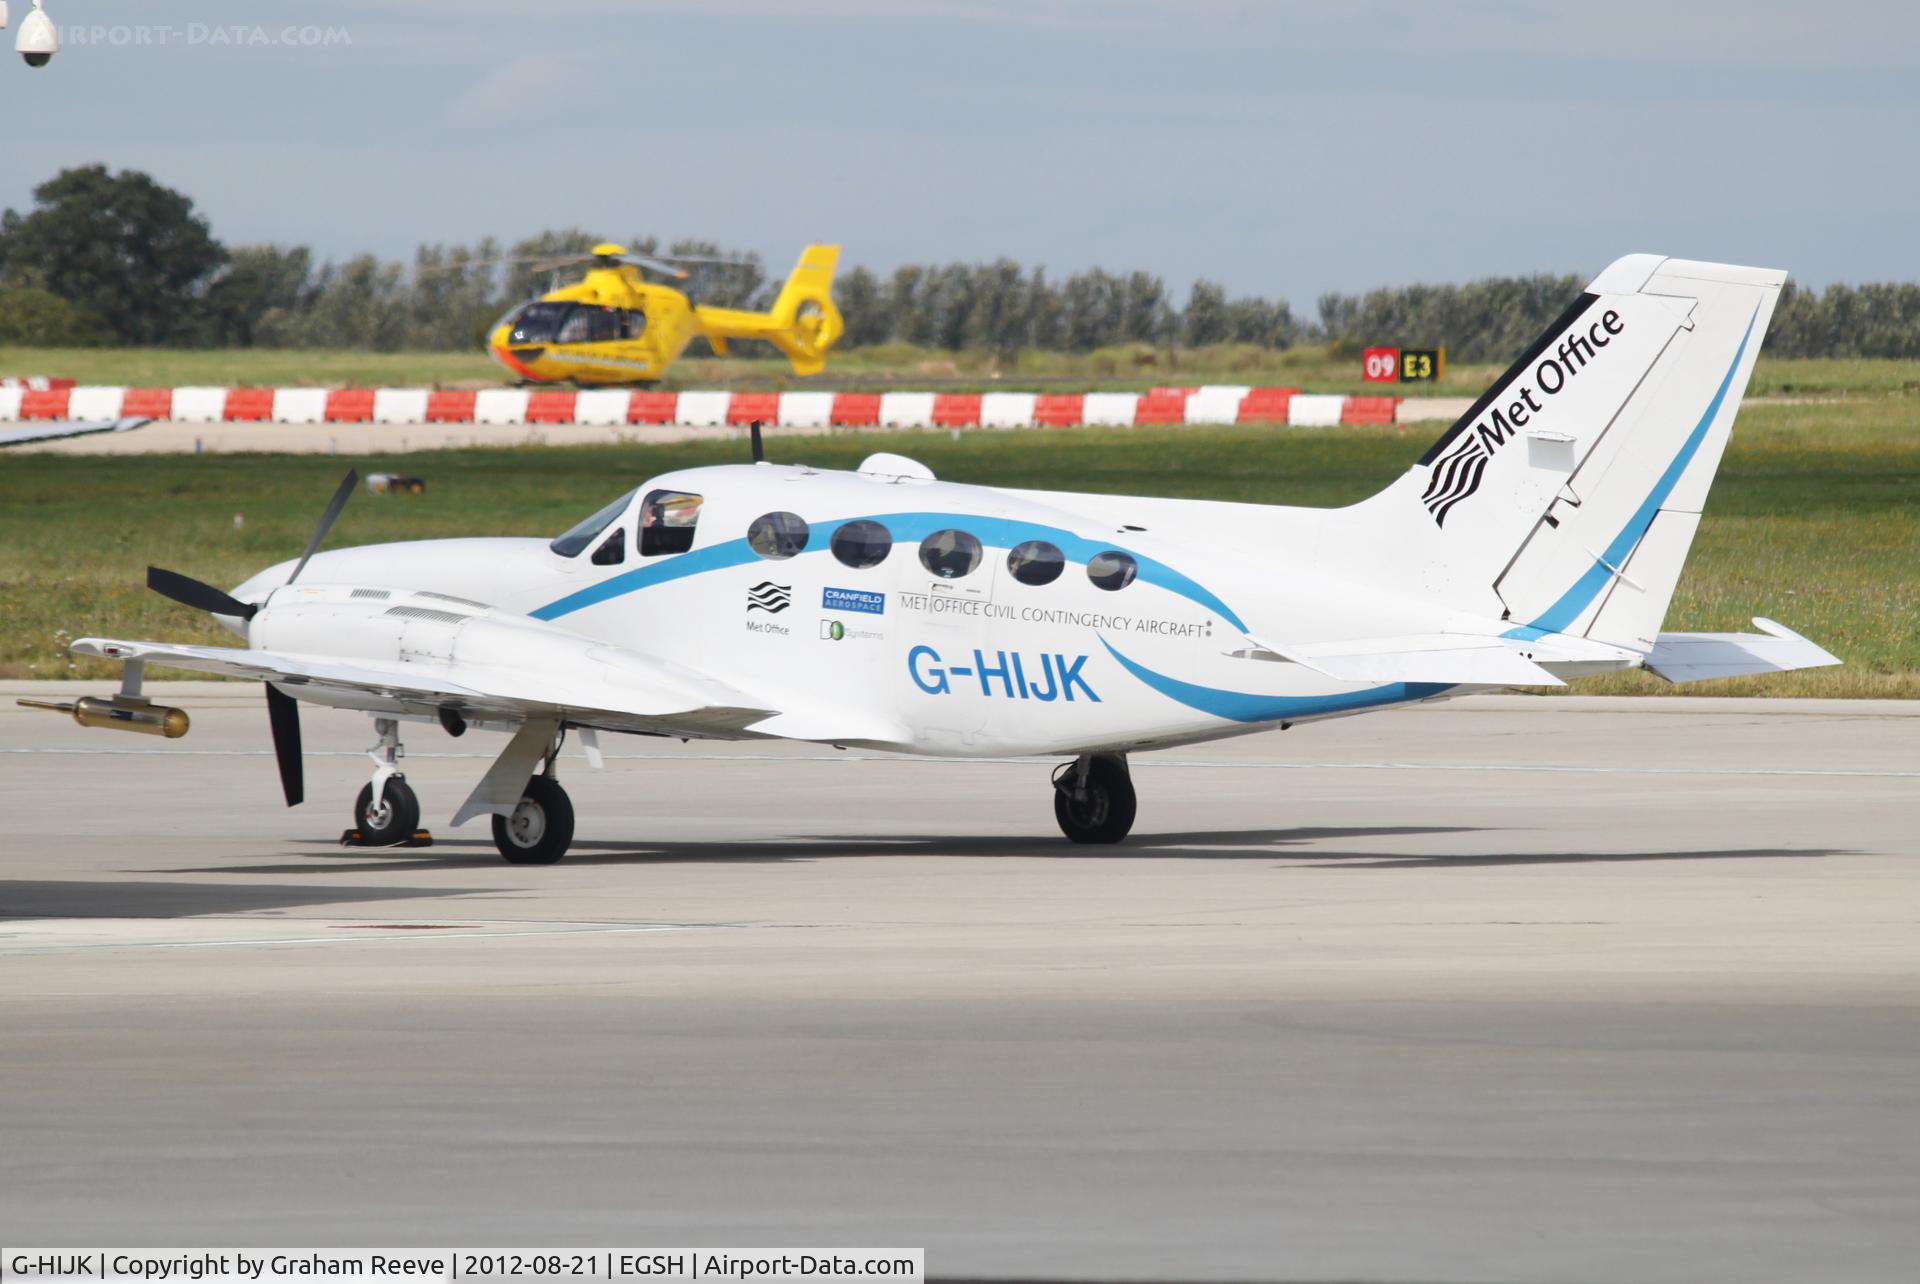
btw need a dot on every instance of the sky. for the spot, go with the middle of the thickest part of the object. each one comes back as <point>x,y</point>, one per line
<point>1283,149</point>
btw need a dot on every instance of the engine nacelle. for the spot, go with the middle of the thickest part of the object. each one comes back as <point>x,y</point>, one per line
<point>498,650</point>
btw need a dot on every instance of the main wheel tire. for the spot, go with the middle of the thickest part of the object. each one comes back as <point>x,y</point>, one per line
<point>1102,811</point>
<point>540,828</point>
<point>394,820</point>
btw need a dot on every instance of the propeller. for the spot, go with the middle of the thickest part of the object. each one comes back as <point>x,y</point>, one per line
<point>197,594</point>
<point>283,716</point>
<point>283,711</point>
<point>327,519</point>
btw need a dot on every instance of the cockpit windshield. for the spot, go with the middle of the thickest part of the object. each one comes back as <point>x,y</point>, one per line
<point>536,322</point>
<point>570,544</point>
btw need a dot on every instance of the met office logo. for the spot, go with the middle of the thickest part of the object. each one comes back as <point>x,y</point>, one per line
<point>205,35</point>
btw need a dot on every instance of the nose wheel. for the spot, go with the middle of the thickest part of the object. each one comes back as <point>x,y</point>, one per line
<point>1093,799</point>
<point>540,827</point>
<point>390,820</point>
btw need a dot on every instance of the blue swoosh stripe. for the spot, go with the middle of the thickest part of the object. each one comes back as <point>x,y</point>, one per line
<point>1577,599</point>
<point>1246,706</point>
<point>996,532</point>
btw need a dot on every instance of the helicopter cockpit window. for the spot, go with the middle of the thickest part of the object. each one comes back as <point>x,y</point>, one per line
<point>667,521</point>
<point>590,324</point>
<point>570,544</point>
<point>636,324</point>
<point>537,323</point>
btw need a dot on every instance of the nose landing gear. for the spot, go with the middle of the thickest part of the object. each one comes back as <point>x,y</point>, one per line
<point>387,812</point>
<point>1093,798</point>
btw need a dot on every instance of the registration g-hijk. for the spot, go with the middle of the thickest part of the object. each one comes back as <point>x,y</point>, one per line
<point>1538,540</point>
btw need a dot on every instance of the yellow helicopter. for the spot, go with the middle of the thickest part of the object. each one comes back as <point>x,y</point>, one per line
<point>616,327</point>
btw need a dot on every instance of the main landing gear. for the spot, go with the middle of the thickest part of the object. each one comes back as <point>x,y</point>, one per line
<point>536,831</point>
<point>1093,798</point>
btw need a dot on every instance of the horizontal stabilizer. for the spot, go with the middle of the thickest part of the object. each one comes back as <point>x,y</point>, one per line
<point>1458,659</point>
<point>1693,657</point>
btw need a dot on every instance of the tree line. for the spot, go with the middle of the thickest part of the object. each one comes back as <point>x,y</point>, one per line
<point>121,259</point>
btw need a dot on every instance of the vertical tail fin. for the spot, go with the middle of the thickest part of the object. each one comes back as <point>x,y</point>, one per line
<point>1565,500</point>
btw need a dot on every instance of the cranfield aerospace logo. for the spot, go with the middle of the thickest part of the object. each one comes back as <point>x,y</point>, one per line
<point>839,599</point>
<point>1011,676</point>
<point>769,597</point>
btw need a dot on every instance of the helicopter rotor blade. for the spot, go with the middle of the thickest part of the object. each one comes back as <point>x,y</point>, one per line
<point>564,260</point>
<point>653,265</point>
<point>327,519</point>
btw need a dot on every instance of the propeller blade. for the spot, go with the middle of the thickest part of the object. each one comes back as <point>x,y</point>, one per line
<point>283,716</point>
<point>327,519</point>
<point>188,591</point>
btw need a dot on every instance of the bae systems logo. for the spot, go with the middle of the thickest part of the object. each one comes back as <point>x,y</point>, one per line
<point>1458,471</point>
<point>769,597</point>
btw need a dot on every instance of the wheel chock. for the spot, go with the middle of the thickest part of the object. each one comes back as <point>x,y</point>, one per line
<point>418,838</point>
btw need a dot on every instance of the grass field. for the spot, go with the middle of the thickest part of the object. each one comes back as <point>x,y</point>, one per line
<point>889,365</point>
<point>1814,521</point>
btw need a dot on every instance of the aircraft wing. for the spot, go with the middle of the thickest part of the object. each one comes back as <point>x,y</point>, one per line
<point>609,687</point>
<point>1692,657</point>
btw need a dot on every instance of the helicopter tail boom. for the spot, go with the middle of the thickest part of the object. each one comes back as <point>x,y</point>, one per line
<point>803,322</point>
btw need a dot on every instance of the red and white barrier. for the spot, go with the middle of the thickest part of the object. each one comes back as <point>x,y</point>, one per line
<point>616,406</point>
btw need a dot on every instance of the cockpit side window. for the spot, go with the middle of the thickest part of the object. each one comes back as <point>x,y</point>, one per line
<point>636,324</point>
<point>576,539</point>
<point>667,521</point>
<point>613,549</point>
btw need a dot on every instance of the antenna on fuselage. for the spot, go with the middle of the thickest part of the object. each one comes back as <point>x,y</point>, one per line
<point>759,448</point>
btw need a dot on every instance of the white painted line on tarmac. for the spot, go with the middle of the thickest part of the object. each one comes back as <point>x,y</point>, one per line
<point>1136,763</point>
<point>346,939</point>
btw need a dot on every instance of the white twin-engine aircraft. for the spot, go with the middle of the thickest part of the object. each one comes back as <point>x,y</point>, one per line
<point>1538,540</point>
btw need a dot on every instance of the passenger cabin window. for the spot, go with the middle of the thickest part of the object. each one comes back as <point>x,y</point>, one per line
<point>667,519</point>
<point>1036,562</point>
<point>1111,570</point>
<point>950,554</point>
<point>576,539</point>
<point>861,544</point>
<point>777,535</point>
<point>590,324</point>
<point>612,550</point>
<point>636,324</point>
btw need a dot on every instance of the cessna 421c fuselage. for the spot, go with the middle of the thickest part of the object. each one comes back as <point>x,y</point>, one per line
<point>1539,539</point>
